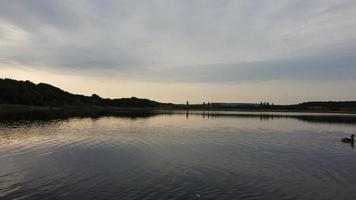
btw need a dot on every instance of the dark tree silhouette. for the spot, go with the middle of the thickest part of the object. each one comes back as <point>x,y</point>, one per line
<point>42,94</point>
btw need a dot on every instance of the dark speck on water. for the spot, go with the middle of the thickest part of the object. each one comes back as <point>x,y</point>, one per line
<point>195,155</point>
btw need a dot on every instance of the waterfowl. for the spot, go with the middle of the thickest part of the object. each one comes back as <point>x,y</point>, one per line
<point>349,140</point>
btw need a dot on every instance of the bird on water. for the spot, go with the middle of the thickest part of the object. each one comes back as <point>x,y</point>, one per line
<point>349,140</point>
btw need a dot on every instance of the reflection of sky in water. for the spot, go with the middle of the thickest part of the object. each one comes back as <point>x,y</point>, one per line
<point>172,156</point>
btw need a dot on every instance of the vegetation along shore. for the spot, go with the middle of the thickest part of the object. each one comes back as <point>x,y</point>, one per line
<point>24,96</point>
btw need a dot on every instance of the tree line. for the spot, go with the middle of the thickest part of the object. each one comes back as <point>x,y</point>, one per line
<point>42,94</point>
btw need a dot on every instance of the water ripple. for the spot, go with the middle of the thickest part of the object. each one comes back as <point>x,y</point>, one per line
<point>172,157</point>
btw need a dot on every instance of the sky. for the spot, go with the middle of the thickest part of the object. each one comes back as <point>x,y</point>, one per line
<point>281,51</point>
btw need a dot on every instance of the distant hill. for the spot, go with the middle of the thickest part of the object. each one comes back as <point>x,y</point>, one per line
<point>42,94</point>
<point>327,105</point>
<point>314,106</point>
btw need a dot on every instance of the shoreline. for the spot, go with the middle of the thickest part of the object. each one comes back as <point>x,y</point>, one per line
<point>17,108</point>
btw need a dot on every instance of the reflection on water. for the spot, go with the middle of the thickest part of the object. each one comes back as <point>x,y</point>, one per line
<point>169,155</point>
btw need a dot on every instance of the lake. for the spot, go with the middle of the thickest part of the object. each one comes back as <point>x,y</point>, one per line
<point>178,155</point>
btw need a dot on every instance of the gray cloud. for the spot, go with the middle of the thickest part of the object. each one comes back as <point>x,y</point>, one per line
<point>332,66</point>
<point>199,41</point>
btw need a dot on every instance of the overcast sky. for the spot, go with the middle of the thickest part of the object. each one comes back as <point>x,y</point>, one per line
<point>283,51</point>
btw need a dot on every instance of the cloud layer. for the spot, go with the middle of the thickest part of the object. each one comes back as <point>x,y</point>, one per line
<point>183,41</point>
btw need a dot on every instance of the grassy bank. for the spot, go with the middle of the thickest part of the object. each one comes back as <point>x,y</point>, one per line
<point>265,110</point>
<point>15,108</point>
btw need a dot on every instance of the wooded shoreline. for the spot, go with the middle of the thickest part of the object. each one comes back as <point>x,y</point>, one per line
<point>25,96</point>
<point>16,108</point>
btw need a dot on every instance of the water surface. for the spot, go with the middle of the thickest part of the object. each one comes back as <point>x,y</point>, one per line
<point>222,155</point>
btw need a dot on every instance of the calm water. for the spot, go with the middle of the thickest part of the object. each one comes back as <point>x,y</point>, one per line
<point>178,156</point>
